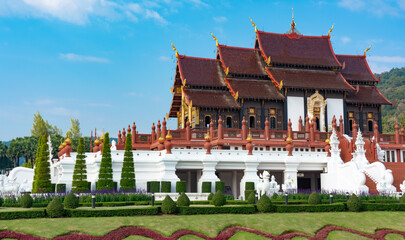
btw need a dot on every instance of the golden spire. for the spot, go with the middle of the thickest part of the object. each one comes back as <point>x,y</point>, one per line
<point>292,22</point>
<point>207,137</point>
<point>249,138</point>
<point>168,136</point>
<point>327,139</point>
<point>97,141</point>
<point>367,49</point>
<point>289,139</point>
<point>175,49</point>
<point>216,40</point>
<point>254,25</point>
<point>161,139</point>
<point>330,30</point>
<point>68,140</point>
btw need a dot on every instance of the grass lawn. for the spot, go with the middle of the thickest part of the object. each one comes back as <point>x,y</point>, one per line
<point>211,225</point>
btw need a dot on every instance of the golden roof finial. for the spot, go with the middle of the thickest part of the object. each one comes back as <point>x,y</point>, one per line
<point>216,40</point>
<point>330,30</point>
<point>254,25</point>
<point>367,49</point>
<point>175,49</point>
<point>292,22</point>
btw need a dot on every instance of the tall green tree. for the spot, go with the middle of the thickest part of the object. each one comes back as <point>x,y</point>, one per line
<point>127,181</point>
<point>41,127</point>
<point>105,176</point>
<point>74,129</point>
<point>80,174</point>
<point>42,173</point>
<point>14,151</point>
<point>5,162</point>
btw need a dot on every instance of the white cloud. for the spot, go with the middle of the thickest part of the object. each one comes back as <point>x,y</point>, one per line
<point>80,11</point>
<point>164,58</point>
<point>198,3</point>
<point>99,105</point>
<point>220,19</point>
<point>387,59</point>
<point>346,39</point>
<point>61,111</point>
<point>379,68</point>
<point>80,58</point>
<point>376,7</point>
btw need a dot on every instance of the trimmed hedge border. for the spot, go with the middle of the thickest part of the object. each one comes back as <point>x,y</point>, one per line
<point>8,215</point>
<point>383,207</point>
<point>249,209</point>
<point>335,207</point>
<point>111,212</point>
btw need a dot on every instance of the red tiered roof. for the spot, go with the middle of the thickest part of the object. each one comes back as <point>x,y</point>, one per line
<point>309,79</point>
<point>201,71</point>
<point>241,60</point>
<point>356,68</point>
<point>256,89</point>
<point>367,94</point>
<point>211,98</point>
<point>297,49</point>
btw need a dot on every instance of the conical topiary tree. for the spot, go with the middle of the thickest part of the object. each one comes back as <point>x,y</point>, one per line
<point>127,181</point>
<point>79,183</point>
<point>42,173</point>
<point>105,174</point>
<point>36,160</point>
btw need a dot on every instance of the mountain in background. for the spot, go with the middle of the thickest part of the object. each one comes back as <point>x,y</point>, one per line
<point>392,86</point>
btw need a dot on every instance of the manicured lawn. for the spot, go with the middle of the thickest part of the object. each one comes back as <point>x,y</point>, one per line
<point>211,225</point>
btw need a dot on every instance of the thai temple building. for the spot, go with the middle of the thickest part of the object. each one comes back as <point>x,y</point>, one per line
<point>288,105</point>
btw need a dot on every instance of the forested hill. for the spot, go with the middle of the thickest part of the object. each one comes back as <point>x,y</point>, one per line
<point>392,85</point>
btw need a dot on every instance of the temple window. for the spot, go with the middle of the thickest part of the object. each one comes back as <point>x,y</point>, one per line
<point>273,118</point>
<point>370,122</point>
<point>228,122</point>
<point>207,121</point>
<point>252,110</point>
<point>252,122</point>
<point>351,120</point>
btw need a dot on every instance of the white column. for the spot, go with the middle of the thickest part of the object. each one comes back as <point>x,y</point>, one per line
<point>234,184</point>
<point>250,173</point>
<point>208,172</point>
<point>168,170</point>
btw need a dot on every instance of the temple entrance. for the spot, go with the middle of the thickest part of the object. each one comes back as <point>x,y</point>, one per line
<point>190,177</point>
<point>309,181</point>
<point>316,110</point>
<point>232,179</point>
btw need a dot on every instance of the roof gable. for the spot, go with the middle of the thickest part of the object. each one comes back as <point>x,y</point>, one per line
<point>356,68</point>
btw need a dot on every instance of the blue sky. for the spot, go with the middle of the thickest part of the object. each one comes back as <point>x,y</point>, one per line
<point>109,63</point>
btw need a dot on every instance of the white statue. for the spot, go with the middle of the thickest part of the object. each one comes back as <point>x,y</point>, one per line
<point>385,184</point>
<point>50,148</point>
<point>402,186</point>
<point>274,187</point>
<point>25,186</point>
<point>289,184</point>
<point>263,187</point>
<point>113,145</point>
<point>8,186</point>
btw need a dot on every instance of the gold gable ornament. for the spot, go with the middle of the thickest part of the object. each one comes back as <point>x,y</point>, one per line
<point>268,61</point>
<point>280,86</point>
<point>330,30</point>
<point>216,40</point>
<point>175,49</point>
<point>227,71</point>
<point>254,25</point>
<point>365,51</point>
<point>236,95</point>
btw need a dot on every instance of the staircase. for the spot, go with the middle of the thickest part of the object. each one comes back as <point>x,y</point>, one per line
<point>371,183</point>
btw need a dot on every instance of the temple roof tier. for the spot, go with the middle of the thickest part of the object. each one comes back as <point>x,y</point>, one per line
<point>254,89</point>
<point>356,68</point>
<point>309,79</point>
<point>211,98</point>
<point>367,95</point>
<point>299,50</point>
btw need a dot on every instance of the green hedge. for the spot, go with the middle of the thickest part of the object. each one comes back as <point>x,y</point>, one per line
<point>155,186</point>
<point>61,188</point>
<point>7,215</point>
<point>214,210</point>
<point>166,187</point>
<point>383,207</point>
<point>206,187</point>
<point>220,186</point>
<point>180,186</point>
<point>249,186</point>
<point>335,207</point>
<point>248,192</point>
<point>111,212</point>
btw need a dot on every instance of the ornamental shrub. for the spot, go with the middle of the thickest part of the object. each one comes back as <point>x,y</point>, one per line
<point>79,183</point>
<point>168,205</point>
<point>127,181</point>
<point>248,192</point>
<point>55,208</point>
<point>42,173</point>
<point>61,188</point>
<point>314,198</point>
<point>219,186</point>
<point>403,198</point>
<point>210,197</point>
<point>183,200</point>
<point>155,186</point>
<point>166,187</point>
<point>206,187</point>
<point>26,201</point>
<point>251,198</point>
<point>249,186</point>
<point>71,201</point>
<point>264,204</point>
<point>105,175</point>
<point>1,201</point>
<point>218,199</point>
<point>354,203</point>
<point>180,186</point>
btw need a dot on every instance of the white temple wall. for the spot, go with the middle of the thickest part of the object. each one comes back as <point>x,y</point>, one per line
<point>295,110</point>
<point>335,108</point>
